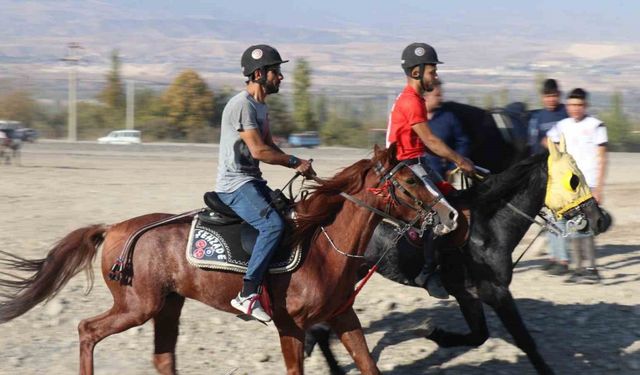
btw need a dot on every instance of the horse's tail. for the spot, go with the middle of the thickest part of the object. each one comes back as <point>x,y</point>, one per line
<point>69,256</point>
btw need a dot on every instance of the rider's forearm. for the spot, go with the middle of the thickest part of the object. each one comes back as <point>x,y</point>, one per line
<point>271,155</point>
<point>278,149</point>
<point>435,144</point>
<point>602,166</point>
<point>438,147</point>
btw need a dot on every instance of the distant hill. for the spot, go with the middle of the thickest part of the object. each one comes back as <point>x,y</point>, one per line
<point>348,57</point>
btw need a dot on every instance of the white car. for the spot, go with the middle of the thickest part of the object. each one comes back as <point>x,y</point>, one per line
<point>121,137</point>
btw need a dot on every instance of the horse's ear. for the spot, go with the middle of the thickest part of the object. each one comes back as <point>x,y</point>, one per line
<point>554,153</point>
<point>393,148</point>
<point>563,144</point>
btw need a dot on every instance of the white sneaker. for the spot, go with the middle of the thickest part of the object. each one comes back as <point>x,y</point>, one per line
<point>251,306</point>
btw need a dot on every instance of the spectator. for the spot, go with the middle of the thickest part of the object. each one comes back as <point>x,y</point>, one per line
<point>446,126</point>
<point>541,122</point>
<point>586,140</point>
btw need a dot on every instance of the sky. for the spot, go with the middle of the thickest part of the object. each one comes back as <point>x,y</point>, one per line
<point>614,20</point>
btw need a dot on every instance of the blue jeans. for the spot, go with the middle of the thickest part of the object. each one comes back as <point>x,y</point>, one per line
<point>558,244</point>
<point>251,202</point>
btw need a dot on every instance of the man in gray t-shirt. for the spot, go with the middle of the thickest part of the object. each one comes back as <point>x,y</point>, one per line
<point>245,141</point>
<point>236,166</point>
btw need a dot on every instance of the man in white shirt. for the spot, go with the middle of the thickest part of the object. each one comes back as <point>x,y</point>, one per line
<point>586,140</point>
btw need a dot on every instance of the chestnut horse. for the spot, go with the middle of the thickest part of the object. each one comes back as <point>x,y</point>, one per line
<point>319,290</point>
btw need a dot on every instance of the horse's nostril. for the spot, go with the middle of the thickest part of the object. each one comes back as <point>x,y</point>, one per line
<point>452,215</point>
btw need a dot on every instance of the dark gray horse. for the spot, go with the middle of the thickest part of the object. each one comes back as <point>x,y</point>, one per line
<point>480,271</point>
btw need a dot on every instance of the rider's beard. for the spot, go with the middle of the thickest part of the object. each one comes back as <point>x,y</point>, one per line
<point>271,88</point>
<point>428,87</point>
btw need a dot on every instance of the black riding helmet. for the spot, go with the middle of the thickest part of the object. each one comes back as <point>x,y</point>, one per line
<point>418,54</point>
<point>258,57</point>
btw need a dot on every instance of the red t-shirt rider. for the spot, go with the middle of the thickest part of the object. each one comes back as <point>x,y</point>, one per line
<point>409,130</point>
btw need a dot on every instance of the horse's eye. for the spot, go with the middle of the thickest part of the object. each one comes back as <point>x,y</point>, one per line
<point>574,182</point>
<point>410,181</point>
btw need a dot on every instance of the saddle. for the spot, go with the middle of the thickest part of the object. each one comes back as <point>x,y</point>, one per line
<point>219,239</point>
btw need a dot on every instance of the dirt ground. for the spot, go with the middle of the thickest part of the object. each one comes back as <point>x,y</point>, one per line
<point>580,329</point>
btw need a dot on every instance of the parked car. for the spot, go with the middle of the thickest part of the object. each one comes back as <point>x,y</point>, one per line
<point>26,134</point>
<point>121,137</point>
<point>305,139</point>
<point>8,124</point>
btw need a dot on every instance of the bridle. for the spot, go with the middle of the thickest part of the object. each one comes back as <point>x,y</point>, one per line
<point>387,180</point>
<point>576,223</point>
<point>388,184</point>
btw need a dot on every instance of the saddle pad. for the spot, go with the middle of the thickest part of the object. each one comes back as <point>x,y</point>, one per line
<point>219,247</point>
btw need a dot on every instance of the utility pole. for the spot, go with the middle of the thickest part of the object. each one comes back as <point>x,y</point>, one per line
<point>130,103</point>
<point>72,120</point>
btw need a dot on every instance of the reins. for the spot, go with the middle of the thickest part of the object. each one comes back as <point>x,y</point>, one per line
<point>402,226</point>
<point>399,233</point>
<point>546,225</point>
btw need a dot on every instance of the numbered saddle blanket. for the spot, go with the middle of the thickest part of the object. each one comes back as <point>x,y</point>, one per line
<point>228,247</point>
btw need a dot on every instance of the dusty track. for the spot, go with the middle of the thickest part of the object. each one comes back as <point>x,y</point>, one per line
<point>579,328</point>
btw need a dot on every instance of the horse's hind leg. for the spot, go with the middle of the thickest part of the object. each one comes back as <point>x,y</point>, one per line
<point>347,327</point>
<point>473,312</point>
<point>166,324</point>
<point>119,318</point>
<point>502,302</point>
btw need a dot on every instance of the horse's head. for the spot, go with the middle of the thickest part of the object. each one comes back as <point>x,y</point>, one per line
<point>568,194</point>
<point>402,193</point>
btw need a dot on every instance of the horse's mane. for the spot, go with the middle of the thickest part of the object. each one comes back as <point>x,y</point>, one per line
<point>500,185</point>
<point>321,206</point>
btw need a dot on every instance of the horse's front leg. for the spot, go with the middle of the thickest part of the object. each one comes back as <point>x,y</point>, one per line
<point>347,327</point>
<point>500,298</point>
<point>473,312</point>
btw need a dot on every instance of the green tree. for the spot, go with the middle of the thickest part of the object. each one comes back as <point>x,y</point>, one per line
<point>94,121</point>
<point>280,119</point>
<point>113,93</point>
<point>322,112</point>
<point>151,115</point>
<point>617,122</point>
<point>220,100</point>
<point>148,103</point>
<point>302,108</point>
<point>19,105</point>
<point>189,104</point>
<point>344,127</point>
